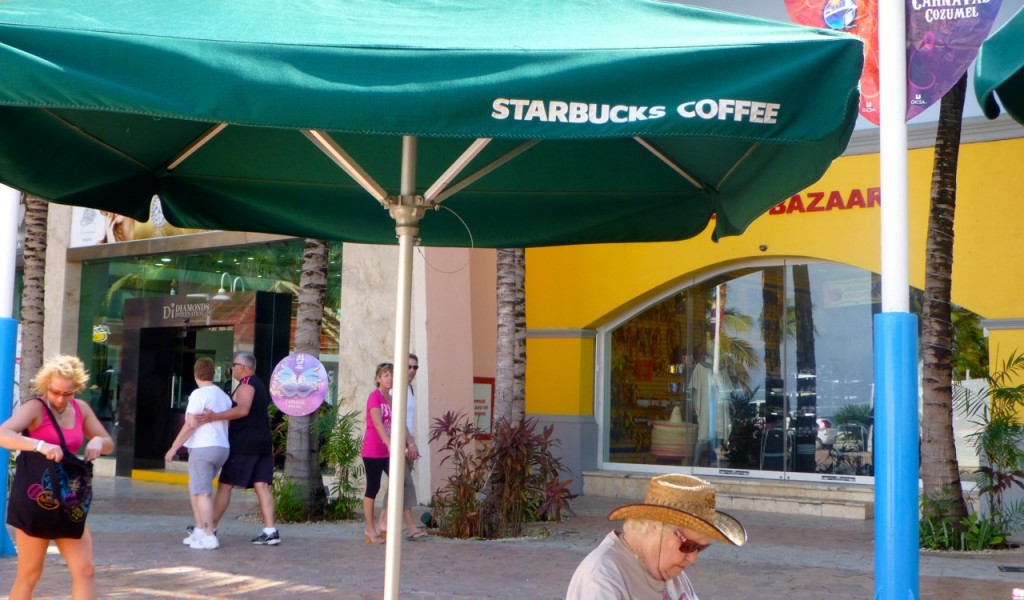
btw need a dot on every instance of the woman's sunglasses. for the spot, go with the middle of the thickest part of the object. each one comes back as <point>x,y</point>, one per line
<point>689,546</point>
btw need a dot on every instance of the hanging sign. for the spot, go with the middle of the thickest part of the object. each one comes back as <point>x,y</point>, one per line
<point>942,41</point>
<point>943,37</point>
<point>299,384</point>
<point>859,17</point>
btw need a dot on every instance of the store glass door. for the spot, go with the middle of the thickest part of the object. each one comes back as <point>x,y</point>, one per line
<point>166,379</point>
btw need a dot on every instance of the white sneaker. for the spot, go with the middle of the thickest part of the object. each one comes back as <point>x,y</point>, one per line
<point>204,542</point>
<point>192,536</point>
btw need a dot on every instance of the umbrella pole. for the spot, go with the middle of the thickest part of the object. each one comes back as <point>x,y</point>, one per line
<point>406,210</point>
<point>9,201</point>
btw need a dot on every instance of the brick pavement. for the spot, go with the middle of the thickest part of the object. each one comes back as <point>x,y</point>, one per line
<point>138,528</point>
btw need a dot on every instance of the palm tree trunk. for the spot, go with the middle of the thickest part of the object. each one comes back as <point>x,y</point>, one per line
<point>504,384</point>
<point>302,464</point>
<point>33,294</point>
<point>940,471</point>
<point>519,368</point>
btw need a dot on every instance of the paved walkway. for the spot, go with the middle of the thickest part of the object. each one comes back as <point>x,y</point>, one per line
<point>138,528</point>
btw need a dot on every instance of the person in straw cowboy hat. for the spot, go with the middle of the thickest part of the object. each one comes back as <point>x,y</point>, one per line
<point>658,540</point>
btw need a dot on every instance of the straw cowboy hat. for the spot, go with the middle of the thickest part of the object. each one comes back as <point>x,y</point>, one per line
<point>684,501</point>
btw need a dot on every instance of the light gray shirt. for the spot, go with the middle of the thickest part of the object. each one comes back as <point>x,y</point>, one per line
<point>410,403</point>
<point>611,571</point>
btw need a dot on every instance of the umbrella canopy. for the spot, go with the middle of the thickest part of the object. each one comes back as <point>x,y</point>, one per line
<point>999,70</point>
<point>538,123</point>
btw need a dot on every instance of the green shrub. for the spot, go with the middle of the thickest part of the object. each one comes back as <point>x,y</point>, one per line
<point>998,441</point>
<point>937,534</point>
<point>497,487</point>
<point>340,453</point>
<point>340,445</point>
<point>288,504</point>
<point>975,533</point>
<point>981,533</point>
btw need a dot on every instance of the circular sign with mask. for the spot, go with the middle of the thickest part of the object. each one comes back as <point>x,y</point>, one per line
<point>299,384</point>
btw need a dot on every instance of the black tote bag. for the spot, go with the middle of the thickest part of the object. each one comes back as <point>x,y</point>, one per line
<point>50,500</point>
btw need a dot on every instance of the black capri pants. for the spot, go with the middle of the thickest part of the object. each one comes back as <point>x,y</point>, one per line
<point>374,467</point>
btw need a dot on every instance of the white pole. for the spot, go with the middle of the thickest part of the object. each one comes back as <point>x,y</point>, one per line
<point>407,215</point>
<point>892,59</point>
<point>10,200</point>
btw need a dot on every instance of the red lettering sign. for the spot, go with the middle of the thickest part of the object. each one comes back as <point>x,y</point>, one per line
<point>836,200</point>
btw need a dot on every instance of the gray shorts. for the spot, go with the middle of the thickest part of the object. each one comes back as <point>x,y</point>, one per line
<point>203,465</point>
<point>409,495</point>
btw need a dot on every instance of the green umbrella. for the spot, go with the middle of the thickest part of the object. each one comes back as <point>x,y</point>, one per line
<point>999,70</point>
<point>532,122</point>
<point>654,116</point>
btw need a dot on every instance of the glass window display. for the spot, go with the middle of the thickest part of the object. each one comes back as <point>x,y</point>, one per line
<point>766,368</point>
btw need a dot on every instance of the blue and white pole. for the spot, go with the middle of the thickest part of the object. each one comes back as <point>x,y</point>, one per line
<point>9,202</point>
<point>896,430</point>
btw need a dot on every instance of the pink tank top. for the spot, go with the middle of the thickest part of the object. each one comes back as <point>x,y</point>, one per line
<point>72,437</point>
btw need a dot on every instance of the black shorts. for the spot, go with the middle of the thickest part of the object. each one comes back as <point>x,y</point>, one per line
<point>244,470</point>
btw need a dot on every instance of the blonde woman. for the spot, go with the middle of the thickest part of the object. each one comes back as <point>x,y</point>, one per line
<point>376,450</point>
<point>57,382</point>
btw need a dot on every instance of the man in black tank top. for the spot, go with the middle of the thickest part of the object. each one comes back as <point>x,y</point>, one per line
<point>251,462</point>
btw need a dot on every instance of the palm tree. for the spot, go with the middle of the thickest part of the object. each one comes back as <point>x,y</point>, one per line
<point>519,358</point>
<point>33,293</point>
<point>302,463</point>
<point>940,472</point>
<point>510,371</point>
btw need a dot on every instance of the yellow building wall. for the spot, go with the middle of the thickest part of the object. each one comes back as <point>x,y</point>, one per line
<point>1002,343</point>
<point>569,394</point>
<point>584,287</point>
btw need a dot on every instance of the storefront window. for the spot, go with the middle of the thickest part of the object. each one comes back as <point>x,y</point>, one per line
<point>758,369</point>
<point>201,275</point>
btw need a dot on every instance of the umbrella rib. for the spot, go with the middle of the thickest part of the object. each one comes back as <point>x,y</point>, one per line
<point>195,145</point>
<point>337,154</point>
<point>95,139</point>
<point>745,156</point>
<point>668,161</point>
<point>456,167</point>
<point>504,158</point>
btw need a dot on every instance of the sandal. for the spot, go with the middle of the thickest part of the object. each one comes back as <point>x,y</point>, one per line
<point>417,535</point>
<point>375,540</point>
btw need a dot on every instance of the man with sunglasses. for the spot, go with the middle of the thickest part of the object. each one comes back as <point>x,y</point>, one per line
<point>250,463</point>
<point>659,538</point>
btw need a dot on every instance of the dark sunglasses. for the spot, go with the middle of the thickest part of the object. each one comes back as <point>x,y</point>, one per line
<point>689,546</point>
<point>414,367</point>
<point>60,393</point>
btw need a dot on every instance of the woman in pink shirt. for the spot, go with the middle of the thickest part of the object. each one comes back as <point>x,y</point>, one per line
<point>376,445</point>
<point>57,382</point>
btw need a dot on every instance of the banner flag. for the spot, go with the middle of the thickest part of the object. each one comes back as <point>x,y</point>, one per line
<point>943,37</point>
<point>859,17</point>
<point>942,41</point>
